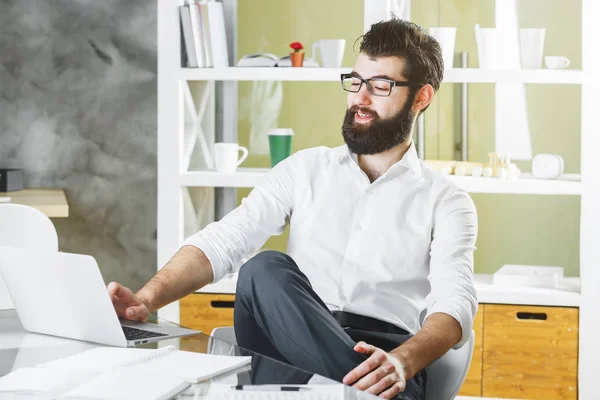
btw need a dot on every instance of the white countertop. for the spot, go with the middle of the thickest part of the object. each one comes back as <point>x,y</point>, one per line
<point>487,293</point>
<point>566,295</point>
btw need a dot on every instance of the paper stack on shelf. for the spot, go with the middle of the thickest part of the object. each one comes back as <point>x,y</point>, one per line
<point>203,34</point>
<point>529,276</point>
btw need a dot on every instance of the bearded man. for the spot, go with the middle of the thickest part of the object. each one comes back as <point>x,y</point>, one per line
<point>377,280</point>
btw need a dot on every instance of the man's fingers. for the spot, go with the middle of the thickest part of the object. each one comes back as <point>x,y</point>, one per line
<point>383,384</point>
<point>371,381</point>
<point>364,348</point>
<point>137,313</point>
<point>118,291</point>
<point>393,391</point>
<point>364,368</point>
<point>113,288</point>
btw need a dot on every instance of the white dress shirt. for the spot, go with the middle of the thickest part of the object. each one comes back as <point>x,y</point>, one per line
<point>398,249</point>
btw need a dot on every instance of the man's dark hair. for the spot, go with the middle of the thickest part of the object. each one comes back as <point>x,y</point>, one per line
<point>422,54</point>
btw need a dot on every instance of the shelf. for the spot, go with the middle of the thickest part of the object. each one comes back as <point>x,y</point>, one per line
<point>244,177</point>
<point>52,202</point>
<point>569,184</point>
<point>546,76</point>
<point>263,74</point>
<point>455,75</point>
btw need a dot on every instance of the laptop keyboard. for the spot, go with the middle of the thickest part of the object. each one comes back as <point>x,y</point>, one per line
<point>135,334</point>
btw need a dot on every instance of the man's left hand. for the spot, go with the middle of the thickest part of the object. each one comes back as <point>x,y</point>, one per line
<point>381,374</point>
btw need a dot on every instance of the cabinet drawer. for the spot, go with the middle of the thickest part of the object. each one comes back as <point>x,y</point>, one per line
<point>530,352</point>
<point>472,383</point>
<point>205,311</point>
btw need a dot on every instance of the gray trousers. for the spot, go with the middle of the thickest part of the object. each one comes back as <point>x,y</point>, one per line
<point>279,315</point>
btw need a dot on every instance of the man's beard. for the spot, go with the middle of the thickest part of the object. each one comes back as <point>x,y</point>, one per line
<point>379,135</point>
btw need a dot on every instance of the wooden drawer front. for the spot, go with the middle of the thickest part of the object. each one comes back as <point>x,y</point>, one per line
<point>205,311</point>
<point>472,384</point>
<point>528,357</point>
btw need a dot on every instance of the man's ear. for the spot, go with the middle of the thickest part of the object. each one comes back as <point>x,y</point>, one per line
<point>423,98</point>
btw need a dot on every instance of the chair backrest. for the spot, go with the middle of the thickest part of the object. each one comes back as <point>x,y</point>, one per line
<point>446,375</point>
<point>222,341</point>
<point>24,226</point>
<point>225,333</point>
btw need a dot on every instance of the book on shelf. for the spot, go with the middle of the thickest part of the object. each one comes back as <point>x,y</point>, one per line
<point>189,55</point>
<point>271,60</point>
<point>204,37</point>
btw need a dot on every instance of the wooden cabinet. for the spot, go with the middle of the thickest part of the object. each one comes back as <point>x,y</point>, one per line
<point>206,311</point>
<point>530,352</point>
<point>472,384</point>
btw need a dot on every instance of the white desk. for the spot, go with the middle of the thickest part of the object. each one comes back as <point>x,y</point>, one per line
<point>19,348</point>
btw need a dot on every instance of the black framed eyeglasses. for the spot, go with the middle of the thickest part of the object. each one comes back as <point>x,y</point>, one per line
<point>376,86</point>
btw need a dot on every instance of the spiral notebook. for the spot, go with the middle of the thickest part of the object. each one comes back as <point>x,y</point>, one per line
<point>107,373</point>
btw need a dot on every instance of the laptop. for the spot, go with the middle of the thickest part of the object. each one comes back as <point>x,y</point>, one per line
<point>63,294</point>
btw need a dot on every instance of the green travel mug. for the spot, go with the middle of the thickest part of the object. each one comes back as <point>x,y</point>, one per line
<point>280,144</point>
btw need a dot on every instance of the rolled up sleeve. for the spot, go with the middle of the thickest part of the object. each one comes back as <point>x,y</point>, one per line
<point>451,263</point>
<point>264,213</point>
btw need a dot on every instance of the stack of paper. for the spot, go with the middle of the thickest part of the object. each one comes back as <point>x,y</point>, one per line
<point>119,373</point>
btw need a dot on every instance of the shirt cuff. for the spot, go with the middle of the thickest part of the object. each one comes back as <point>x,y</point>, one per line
<point>216,261</point>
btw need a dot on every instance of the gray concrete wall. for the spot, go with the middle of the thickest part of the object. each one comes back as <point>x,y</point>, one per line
<point>78,111</point>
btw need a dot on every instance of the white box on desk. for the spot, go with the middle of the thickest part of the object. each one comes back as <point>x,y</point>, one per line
<point>528,276</point>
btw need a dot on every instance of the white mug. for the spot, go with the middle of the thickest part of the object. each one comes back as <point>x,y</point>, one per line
<point>532,47</point>
<point>488,42</point>
<point>331,51</point>
<point>547,166</point>
<point>557,62</point>
<point>226,156</point>
<point>446,37</point>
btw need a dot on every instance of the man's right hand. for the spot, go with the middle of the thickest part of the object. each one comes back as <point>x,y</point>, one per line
<point>126,303</point>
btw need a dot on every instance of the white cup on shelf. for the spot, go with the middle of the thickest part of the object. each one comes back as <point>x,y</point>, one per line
<point>446,37</point>
<point>227,156</point>
<point>489,42</point>
<point>331,52</point>
<point>557,62</point>
<point>532,47</point>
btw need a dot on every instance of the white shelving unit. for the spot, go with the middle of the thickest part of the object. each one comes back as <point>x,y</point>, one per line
<point>219,111</point>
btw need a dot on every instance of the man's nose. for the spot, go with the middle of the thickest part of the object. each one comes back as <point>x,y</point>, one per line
<point>362,97</point>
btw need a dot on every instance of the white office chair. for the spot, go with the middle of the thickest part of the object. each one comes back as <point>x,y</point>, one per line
<point>225,339</point>
<point>225,333</point>
<point>24,226</point>
<point>445,376</point>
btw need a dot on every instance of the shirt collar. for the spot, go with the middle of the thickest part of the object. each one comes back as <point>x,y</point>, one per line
<point>410,160</point>
<point>343,153</point>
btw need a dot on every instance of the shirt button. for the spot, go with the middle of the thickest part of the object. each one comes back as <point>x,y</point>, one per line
<point>369,191</point>
<point>358,227</point>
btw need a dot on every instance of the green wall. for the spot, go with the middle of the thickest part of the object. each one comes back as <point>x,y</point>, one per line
<point>537,230</point>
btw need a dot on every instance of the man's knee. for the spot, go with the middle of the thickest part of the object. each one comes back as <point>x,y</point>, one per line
<point>265,268</point>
